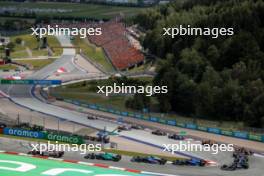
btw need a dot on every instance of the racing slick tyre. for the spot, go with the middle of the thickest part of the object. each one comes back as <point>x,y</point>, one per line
<point>163,162</point>
<point>90,156</point>
<point>118,158</point>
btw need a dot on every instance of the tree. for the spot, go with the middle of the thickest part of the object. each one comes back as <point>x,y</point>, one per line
<point>11,46</point>
<point>18,40</point>
<point>257,109</point>
<point>192,64</point>
<point>218,79</point>
<point>213,54</point>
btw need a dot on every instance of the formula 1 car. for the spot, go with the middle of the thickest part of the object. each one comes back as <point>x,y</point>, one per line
<point>159,133</point>
<point>240,162</point>
<point>137,127</point>
<point>54,153</point>
<point>229,168</point>
<point>208,142</point>
<point>104,156</point>
<point>123,128</point>
<point>235,166</point>
<point>190,162</point>
<point>242,151</point>
<point>176,137</point>
<point>149,159</point>
<point>2,125</point>
<point>90,117</point>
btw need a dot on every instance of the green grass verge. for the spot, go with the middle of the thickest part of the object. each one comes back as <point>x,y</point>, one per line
<point>19,51</point>
<point>74,9</point>
<point>36,63</point>
<point>95,54</point>
<point>53,42</point>
<point>141,68</point>
<point>30,42</point>
<point>129,153</point>
<point>82,92</point>
<point>87,93</point>
<point>8,67</point>
<point>117,102</point>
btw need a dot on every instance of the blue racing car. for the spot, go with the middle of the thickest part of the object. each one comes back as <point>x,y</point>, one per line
<point>149,159</point>
<point>190,162</point>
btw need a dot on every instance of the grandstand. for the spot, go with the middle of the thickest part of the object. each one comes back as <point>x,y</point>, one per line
<point>116,45</point>
<point>114,41</point>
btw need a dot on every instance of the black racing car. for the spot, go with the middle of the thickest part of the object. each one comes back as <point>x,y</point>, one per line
<point>90,117</point>
<point>54,154</point>
<point>234,166</point>
<point>137,127</point>
<point>2,125</point>
<point>159,133</point>
<point>242,151</point>
<point>240,162</point>
<point>149,159</point>
<point>176,137</point>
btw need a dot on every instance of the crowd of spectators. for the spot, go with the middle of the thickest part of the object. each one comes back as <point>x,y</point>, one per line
<point>116,45</point>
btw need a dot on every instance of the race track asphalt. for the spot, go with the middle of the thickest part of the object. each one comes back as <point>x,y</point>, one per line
<point>255,169</point>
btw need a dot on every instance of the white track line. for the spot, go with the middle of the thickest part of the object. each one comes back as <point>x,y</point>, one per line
<point>258,155</point>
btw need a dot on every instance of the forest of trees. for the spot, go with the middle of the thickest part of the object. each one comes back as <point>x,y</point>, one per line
<point>218,79</point>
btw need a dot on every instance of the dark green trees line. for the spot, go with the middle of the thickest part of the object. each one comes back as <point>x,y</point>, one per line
<point>218,79</point>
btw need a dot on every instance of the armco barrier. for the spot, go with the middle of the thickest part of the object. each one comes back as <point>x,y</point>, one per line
<point>64,138</point>
<point>117,112</point>
<point>183,125</point>
<point>93,106</point>
<point>138,116</point>
<point>130,114</point>
<point>153,119</point>
<point>111,110</point>
<point>214,130</point>
<point>255,137</point>
<point>171,122</point>
<point>23,133</point>
<point>241,135</point>
<point>102,109</point>
<point>202,128</point>
<point>191,126</point>
<point>227,133</point>
<point>163,121</point>
<point>124,113</point>
<point>144,117</point>
<point>76,103</point>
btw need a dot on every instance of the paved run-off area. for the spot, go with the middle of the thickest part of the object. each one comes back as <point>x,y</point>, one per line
<point>13,165</point>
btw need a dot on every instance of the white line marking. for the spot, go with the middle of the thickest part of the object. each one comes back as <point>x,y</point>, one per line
<point>157,174</point>
<point>85,163</point>
<point>117,168</point>
<point>258,155</point>
<point>57,159</point>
